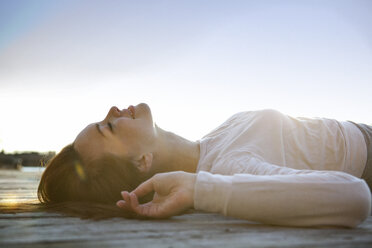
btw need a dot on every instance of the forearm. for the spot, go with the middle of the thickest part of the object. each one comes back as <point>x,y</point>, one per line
<point>318,198</point>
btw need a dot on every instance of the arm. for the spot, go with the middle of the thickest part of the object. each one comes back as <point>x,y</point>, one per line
<point>303,198</point>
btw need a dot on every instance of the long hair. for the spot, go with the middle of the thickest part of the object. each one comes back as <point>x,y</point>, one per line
<point>87,190</point>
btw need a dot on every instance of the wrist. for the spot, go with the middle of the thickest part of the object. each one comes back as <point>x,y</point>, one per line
<point>191,180</point>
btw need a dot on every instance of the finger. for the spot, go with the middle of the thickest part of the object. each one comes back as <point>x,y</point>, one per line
<point>148,209</point>
<point>125,204</point>
<point>136,207</point>
<point>144,188</point>
<point>134,201</point>
<point>125,196</point>
<point>121,204</point>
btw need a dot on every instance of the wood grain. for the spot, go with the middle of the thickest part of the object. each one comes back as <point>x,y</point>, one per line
<point>194,229</point>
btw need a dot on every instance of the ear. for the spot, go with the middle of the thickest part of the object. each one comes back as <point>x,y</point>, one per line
<point>145,162</point>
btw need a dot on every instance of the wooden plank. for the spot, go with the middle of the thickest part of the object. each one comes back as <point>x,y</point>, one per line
<point>195,229</point>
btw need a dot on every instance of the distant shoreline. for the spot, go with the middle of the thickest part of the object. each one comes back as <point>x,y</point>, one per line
<point>25,169</point>
<point>25,159</point>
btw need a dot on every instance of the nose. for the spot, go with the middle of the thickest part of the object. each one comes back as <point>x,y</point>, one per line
<point>113,112</point>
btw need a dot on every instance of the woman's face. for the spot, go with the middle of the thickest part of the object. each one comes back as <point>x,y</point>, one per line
<point>127,133</point>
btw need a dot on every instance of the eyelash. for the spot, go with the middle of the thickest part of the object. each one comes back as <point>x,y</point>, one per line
<point>110,126</point>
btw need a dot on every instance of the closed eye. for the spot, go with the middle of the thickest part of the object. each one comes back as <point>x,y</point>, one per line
<point>110,126</point>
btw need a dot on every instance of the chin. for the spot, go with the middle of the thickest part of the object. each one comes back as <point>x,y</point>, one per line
<point>144,109</point>
<point>143,105</point>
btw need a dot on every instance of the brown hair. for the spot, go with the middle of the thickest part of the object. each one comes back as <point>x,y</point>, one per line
<point>88,190</point>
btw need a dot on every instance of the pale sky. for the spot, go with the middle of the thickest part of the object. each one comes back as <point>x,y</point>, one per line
<point>63,64</point>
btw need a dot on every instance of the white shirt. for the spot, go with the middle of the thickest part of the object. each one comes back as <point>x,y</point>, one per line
<point>268,167</point>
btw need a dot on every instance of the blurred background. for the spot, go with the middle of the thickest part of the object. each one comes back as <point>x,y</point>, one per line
<point>63,64</point>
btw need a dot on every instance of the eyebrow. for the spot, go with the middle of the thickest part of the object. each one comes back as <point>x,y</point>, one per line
<point>99,130</point>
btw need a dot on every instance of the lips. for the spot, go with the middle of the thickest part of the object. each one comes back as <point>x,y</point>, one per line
<point>132,111</point>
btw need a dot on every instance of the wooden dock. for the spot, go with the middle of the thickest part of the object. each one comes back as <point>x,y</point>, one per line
<point>195,229</point>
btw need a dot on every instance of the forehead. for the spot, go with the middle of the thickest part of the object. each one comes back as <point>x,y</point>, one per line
<point>89,142</point>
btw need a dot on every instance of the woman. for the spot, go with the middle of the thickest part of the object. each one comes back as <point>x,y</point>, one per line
<point>261,166</point>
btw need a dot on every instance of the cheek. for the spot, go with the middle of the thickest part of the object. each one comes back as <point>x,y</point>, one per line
<point>114,145</point>
<point>132,129</point>
<point>135,132</point>
<point>138,138</point>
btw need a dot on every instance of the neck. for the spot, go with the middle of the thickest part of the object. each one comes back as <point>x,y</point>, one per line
<point>174,153</point>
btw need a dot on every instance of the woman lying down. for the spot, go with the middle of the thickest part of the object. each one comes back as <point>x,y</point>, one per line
<point>262,166</point>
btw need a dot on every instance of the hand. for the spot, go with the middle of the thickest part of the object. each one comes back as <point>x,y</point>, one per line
<point>174,193</point>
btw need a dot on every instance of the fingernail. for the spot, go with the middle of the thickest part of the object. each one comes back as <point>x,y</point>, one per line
<point>133,196</point>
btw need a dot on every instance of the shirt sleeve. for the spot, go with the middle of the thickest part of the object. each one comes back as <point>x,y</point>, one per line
<point>286,197</point>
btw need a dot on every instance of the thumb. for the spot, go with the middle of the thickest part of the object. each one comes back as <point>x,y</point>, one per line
<point>144,188</point>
